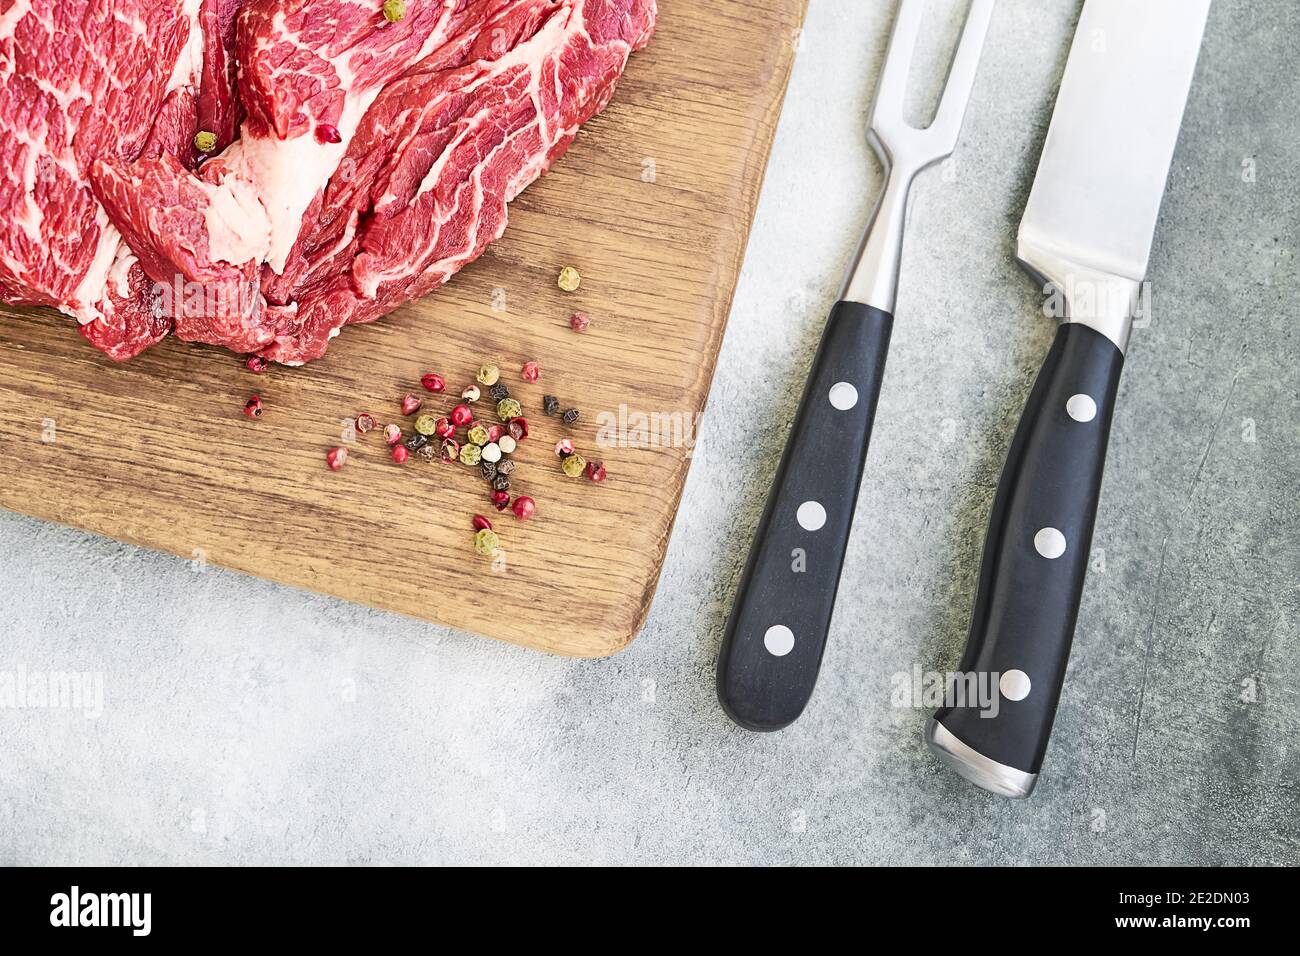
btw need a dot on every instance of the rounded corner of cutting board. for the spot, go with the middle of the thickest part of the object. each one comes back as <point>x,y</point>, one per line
<point>589,638</point>
<point>598,645</point>
<point>619,637</point>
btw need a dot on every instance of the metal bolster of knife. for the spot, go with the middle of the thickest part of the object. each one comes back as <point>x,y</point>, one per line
<point>1105,303</point>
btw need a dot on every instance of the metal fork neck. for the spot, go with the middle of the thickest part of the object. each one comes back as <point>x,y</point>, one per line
<point>905,150</point>
<point>873,276</point>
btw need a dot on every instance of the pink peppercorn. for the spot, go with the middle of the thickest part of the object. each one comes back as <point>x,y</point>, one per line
<point>518,428</point>
<point>564,447</point>
<point>495,432</point>
<point>336,457</point>
<point>365,422</point>
<point>434,382</point>
<point>501,500</point>
<point>400,454</point>
<point>461,415</point>
<point>411,404</point>
<point>482,524</point>
<point>595,471</point>
<point>579,321</point>
<point>256,364</point>
<point>253,407</point>
<point>524,507</point>
<point>531,371</point>
<point>443,428</point>
<point>392,434</point>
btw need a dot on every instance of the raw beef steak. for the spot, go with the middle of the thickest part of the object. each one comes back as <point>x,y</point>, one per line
<point>82,80</point>
<point>424,185</point>
<point>79,80</point>
<point>354,163</point>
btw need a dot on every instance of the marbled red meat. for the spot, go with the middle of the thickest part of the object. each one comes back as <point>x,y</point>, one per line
<point>81,81</point>
<point>372,162</point>
<point>423,188</point>
<point>190,228</point>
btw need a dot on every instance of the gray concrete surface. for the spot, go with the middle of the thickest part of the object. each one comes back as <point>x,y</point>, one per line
<point>243,722</point>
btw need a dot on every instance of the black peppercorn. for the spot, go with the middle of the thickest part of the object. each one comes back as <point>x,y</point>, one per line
<point>501,483</point>
<point>428,452</point>
<point>505,467</point>
<point>417,441</point>
<point>570,416</point>
<point>488,468</point>
<point>499,392</point>
<point>550,404</point>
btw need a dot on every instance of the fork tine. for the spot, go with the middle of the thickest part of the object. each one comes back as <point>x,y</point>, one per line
<point>961,77</point>
<point>887,111</point>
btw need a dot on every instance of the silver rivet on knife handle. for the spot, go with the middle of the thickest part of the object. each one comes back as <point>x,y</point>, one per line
<point>904,150</point>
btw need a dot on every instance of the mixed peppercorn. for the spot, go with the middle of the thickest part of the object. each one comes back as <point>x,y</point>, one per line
<point>479,443</point>
<point>570,280</point>
<point>458,436</point>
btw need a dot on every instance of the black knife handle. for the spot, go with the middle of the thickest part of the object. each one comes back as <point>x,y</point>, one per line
<point>1035,557</point>
<point>772,649</point>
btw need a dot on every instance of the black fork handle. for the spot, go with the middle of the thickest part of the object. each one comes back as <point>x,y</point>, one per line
<point>776,635</point>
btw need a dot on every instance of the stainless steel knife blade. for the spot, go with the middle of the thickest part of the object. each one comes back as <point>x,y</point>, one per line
<point>1091,216</point>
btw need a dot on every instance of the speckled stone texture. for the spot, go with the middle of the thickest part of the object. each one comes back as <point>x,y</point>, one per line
<point>248,723</point>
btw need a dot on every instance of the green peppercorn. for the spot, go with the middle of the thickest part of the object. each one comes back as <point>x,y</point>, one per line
<point>571,416</point>
<point>550,404</point>
<point>508,408</point>
<point>471,455</point>
<point>505,466</point>
<point>394,10</point>
<point>574,465</point>
<point>499,391</point>
<point>501,483</point>
<point>569,279</point>
<point>426,425</point>
<point>478,435</point>
<point>205,141</point>
<point>488,374</point>
<point>488,468</point>
<point>486,541</point>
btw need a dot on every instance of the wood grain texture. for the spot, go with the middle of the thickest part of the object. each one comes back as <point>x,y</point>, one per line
<point>653,204</point>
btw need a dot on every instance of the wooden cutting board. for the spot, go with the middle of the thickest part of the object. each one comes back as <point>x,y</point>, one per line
<point>652,204</point>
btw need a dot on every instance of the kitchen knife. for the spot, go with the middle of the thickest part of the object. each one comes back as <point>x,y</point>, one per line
<point>1086,235</point>
<point>772,649</point>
